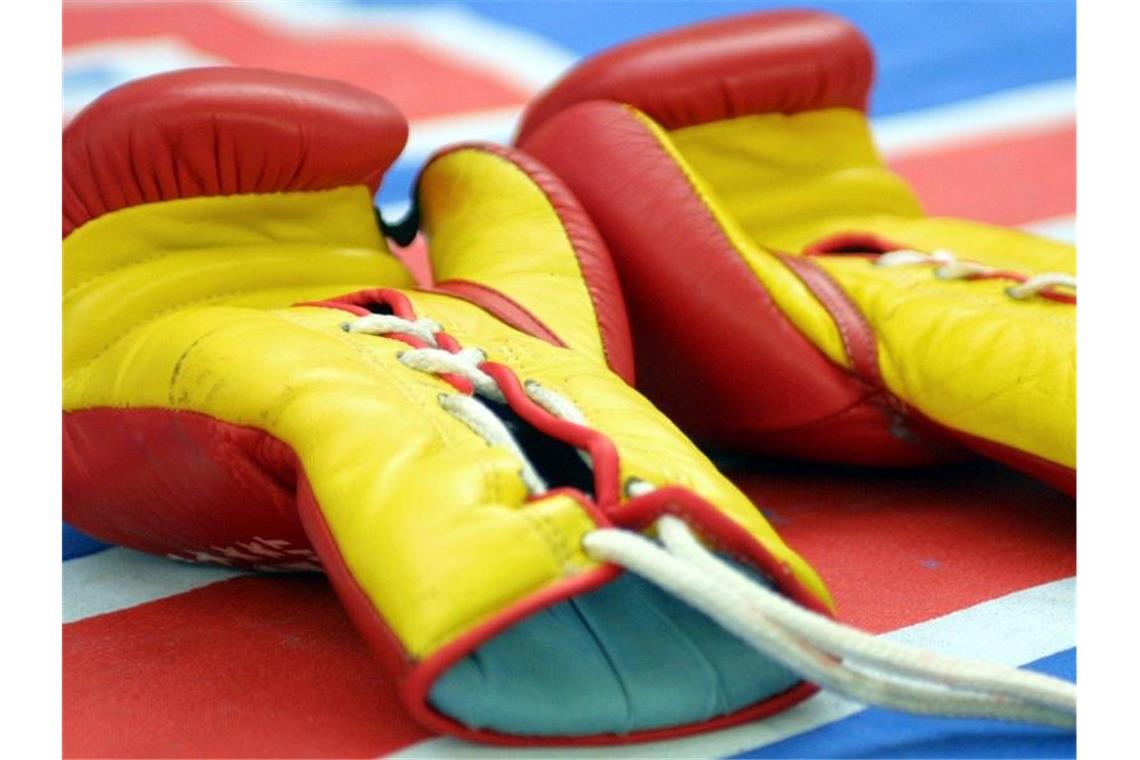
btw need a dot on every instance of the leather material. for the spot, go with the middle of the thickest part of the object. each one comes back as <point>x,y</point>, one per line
<point>272,249</point>
<point>785,61</point>
<point>206,415</point>
<point>223,131</point>
<point>713,347</point>
<point>557,266</point>
<point>764,288</point>
<point>188,463</point>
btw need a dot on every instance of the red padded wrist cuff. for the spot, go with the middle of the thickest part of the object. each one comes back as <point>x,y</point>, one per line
<point>223,131</point>
<point>787,61</point>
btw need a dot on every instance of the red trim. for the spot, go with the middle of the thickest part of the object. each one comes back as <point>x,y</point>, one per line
<point>1004,274</point>
<point>601,449</point>
<point>403,309</point>
<point>417,678</point>
<point>606,510</point>
<point>603,452</point>
<point>358,301</point>
<point>852,242</point>
<point>871,245</point>
<point>594,261</point>
<point>504,308</point>
<point>859,340</point>
<point>862,347</point>
<point>742,375</point>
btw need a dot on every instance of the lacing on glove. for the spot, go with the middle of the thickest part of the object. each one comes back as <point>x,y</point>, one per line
<point>816,648</point>
<point>469,409</point>
<point>950,267</point>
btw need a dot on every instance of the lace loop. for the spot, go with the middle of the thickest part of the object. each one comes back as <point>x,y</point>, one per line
<point>1042,282</point>
<point>469,409</point>
<point>382,324</point>
<point>950,267</point>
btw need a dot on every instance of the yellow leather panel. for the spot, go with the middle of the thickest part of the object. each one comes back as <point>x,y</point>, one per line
<point>965,353</point>
<point>261,250</point>
<point>785,288</point>
<point>488,222</point>
<point>431,520</point>
<point>185,305</point>
<point>775,172</point>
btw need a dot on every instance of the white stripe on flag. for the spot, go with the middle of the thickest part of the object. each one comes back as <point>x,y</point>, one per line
<point>1013,630</point>
<point>116,579</point>
<point>1063,228</point>
<point>92,68</point>
<point>425,136</point>
<point>512,53</point>
<point>1023,109</point>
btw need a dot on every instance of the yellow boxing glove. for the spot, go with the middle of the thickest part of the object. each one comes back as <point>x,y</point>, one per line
<point>786,293</point>
<point>248,381</point>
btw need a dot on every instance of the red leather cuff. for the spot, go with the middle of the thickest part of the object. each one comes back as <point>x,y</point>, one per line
<point>787,61</point>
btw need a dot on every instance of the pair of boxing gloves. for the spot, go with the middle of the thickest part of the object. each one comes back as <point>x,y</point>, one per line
<point>532,547</point>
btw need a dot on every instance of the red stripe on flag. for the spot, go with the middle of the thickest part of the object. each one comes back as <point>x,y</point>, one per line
<point>419,81</point>
<point>1010,179</point>
<point>271,665</point>
<point>900,547</point>
<point>251,667</point>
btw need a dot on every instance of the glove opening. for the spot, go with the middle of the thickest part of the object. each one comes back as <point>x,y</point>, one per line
<point>557,462</point>
<point>625,657</point>
<point>403,232</point>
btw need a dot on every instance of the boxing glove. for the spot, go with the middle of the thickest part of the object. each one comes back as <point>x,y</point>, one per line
<point>787,295</point>
<point>249,381</point>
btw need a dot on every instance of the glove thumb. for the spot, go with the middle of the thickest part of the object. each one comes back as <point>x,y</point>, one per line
<point>546,271</point>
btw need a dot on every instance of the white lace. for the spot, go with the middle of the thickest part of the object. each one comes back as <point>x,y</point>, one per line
<point>469,409</point>
<point>811,645</point>
<point>382,324</point>
<point>898,677</point>
<point>474,414</point>
<point>1036,284</point>
<point>951,268</point>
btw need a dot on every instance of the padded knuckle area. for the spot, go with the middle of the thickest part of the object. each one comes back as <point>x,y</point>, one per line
<point>223,131</point>
<point>785,61</point>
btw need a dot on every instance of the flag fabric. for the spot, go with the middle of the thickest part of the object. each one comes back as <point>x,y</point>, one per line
<point>974,104</point>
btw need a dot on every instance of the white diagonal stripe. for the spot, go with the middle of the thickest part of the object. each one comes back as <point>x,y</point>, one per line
<point>425,136</point>
<point>1023,109</point>
<point>117,578</point>
<point>1012,630</point>
<point>1010,111</point>
<point>514,54</point>
<point>1063,228</point>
